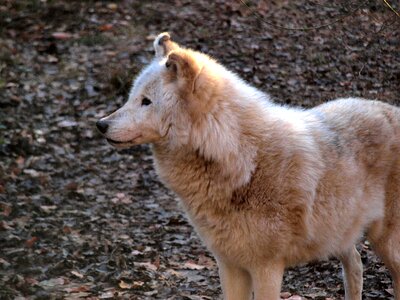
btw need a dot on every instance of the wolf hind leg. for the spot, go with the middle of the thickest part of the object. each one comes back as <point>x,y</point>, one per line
<point>352,273</point>
<point>387,247</point>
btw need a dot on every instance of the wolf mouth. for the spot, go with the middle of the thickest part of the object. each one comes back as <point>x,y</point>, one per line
<point>122,142</point>
<point>115,142</point>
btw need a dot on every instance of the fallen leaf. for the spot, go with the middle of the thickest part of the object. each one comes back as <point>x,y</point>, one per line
<point>123,285</point>
<point>107,295</point>
<point>29,243</point>
<point>5,264</point>
<point>7,209</point>
<point>52,59</point>
<point>32,172</point>
<point>31,281</point>
<point>150,293</point>
<point>78,295</point>
<point>52,282</point>
<point>106,27</point>
<point>67,229</point>
<point>61,35</point>
<point>124,236</point>
<point>67,123</point>
<point>295,297</point>
<point>137,283</point>
<point>390,291</point>
<point>20,161</point>
<point>206,261</point>
<point>285,295</point>
<point>147,265</point>
<point>192,266</point>
<point>48,208</point>
<point>4,225</point>
<point>156,261</point>
<point>77,274</point>
<point>112,6</point>
<point>72,186</point>
<point>82,288</point>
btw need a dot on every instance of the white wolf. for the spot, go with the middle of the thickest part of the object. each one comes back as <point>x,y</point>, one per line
<point>266,186</point>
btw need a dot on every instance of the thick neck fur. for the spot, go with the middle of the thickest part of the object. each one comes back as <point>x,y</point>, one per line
<point>220,150</point>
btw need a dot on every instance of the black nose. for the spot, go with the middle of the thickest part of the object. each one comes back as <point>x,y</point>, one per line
<point>102,126</point>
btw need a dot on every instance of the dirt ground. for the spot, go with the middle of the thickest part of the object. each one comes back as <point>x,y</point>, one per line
<point>79,219</point>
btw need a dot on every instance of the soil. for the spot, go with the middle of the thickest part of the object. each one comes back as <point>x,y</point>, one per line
<point>79,219</point>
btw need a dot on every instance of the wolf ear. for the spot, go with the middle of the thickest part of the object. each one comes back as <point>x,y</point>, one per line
<point>184,69</point>
<point>194,85</point>
<point>164,45</point>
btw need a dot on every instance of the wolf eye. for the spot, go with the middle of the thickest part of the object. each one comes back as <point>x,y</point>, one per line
<point>146,101</point>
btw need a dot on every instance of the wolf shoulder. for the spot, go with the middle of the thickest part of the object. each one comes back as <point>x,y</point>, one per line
<point>360,127</point>
<point>352,111</point>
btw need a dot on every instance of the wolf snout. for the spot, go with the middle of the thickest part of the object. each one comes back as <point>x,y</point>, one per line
<point>102,126</point>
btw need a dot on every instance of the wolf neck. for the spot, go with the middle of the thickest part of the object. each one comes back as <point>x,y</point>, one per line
<point>219,158</point>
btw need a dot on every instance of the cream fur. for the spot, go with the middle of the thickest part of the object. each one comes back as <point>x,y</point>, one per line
<point>267,186</point>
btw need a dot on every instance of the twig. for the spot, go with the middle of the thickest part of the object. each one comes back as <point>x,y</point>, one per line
<point>253,11</point>
<point>380,30</point>
<point>391,8</point>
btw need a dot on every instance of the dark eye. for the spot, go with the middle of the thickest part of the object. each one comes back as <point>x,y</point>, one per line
<point>146,101</point>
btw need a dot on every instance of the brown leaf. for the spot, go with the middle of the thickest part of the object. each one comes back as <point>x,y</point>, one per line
<point>295,297</point>
<point>52,282</point>
<point>29,243</point>
<point>137,283</point>
<point>20,161</point>
<point>77,274</point>
<point>157,261</point>
<point>31,281</point>
<point>15,172</point>
<point>206,261</point>
<point>79,295</point>
<point>48,208</point>
<point>107,295</point>
<point>4,226</point>
<point>123,285</point>
<point>192,266</point>
<point>72,186</point>
<point>4,263</point>
<point>147,265</point>
<point>82,288</point>
<point>61,35</point>
<point>285,295</point>
<point>106,27</point>
<point>112,6</point>
<point>67,229</point>
<point>7,209</point>
<point>390,291</point>
<point>32,173</point>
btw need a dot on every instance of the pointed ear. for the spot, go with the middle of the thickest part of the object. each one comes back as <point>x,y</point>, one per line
<point>184,69</point>
<point>193,83</point>
<point>164,45</point>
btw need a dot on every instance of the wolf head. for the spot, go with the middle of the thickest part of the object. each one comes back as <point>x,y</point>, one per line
<point>167,98</point>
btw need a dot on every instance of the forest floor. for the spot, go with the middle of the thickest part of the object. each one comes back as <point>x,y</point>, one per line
<point>79,219</point>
